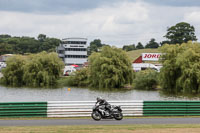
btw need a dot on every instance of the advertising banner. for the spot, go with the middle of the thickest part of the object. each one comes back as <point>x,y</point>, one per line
<point>150,56</point>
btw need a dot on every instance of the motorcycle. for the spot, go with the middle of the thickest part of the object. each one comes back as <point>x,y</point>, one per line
<point>99,112</point>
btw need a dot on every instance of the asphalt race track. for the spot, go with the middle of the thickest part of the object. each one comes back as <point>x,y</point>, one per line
<point>49,122</point>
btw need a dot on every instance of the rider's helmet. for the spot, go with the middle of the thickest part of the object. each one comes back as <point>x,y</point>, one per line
<point>99,98</point>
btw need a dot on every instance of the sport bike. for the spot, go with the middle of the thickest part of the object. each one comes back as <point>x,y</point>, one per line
<point>99,112</point>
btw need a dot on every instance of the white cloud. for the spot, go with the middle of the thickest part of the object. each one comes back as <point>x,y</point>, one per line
<point>193,17</point>
<point>117,24</point>
<point>129,13</point>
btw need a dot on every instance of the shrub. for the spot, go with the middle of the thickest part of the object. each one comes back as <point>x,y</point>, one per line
<point>110,68</point>
<point>79,78</point>
<point>180,71</point>
<point>36,70</point>
<point>66,81</point>
<point>13,73</point>
<point>42,69</point>
<point>146,80</point>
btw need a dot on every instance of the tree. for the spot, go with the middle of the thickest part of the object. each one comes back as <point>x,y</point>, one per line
<point>95,45</point>
<point>81,78</point>
<point>36,70</point>
<point>152,44</point>
<point>139,46</point>
<point>41,37</point>
<point>26,45</point>
<point>42,69</point>
<point>129,47</point>
<point>180,72</point>
<point>49,44</point>
<point>146,80</point>
<point>181,33</point>
<point>22,45</point>
<point>164,42</point>
<point>5,48</point>
<point>13,73</point>
<point>110,68</point>
<point>5,36</point>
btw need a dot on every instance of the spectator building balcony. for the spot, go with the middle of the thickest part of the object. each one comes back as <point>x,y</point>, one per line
<point>73,51</point>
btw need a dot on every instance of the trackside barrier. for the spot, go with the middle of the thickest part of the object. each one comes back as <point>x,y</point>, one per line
<point>171,108</point>
<point>23,109</point>
<point>84,108</point>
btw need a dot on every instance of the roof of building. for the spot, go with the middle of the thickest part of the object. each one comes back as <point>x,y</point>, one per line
<point>75,38</point>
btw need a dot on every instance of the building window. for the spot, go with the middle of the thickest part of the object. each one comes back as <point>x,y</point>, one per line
<point>75,56</point>
<point>73,42</point>
<point>61,51</point>
<point>75,49</point>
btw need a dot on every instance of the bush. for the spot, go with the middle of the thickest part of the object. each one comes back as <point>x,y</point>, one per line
<point>80,78</point>
<point>146,80</point>
<point>110,68</point>
<point>66,81</point>
<point>180,71</point>
<point>13,73</point>
<point>37,70</point>
<point>42,69</point>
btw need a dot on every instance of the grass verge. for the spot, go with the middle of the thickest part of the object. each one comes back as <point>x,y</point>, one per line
<point>159,128</point>
<point>125,117</point>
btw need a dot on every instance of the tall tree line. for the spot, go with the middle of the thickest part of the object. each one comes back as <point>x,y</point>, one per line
<point>177,34</point>
<point>25,44</point>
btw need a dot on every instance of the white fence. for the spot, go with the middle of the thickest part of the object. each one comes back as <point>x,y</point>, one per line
<point>84,108</point>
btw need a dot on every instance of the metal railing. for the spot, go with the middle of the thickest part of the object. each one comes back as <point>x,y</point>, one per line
<point>84,108</point>
<point>23,109</point>
<point>171,108</point>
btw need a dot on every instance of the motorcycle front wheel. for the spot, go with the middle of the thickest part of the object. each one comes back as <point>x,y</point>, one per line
<point>96,116</point>
<point>118,116</point>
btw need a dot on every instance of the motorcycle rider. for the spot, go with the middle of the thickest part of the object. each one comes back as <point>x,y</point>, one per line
<point>102,101</point>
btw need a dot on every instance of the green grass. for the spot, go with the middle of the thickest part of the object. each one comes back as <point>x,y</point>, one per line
<point>137,128</point>
<point>88,117</point>
<point>136,53</point>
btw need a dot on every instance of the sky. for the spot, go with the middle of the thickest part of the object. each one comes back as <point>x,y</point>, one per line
<point>115,22</point>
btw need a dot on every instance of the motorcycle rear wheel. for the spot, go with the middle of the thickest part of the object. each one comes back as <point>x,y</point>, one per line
<point>118,116</point>
<point>96,116</point>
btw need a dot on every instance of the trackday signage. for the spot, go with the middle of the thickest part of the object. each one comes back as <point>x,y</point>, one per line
<point>151,56</point>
